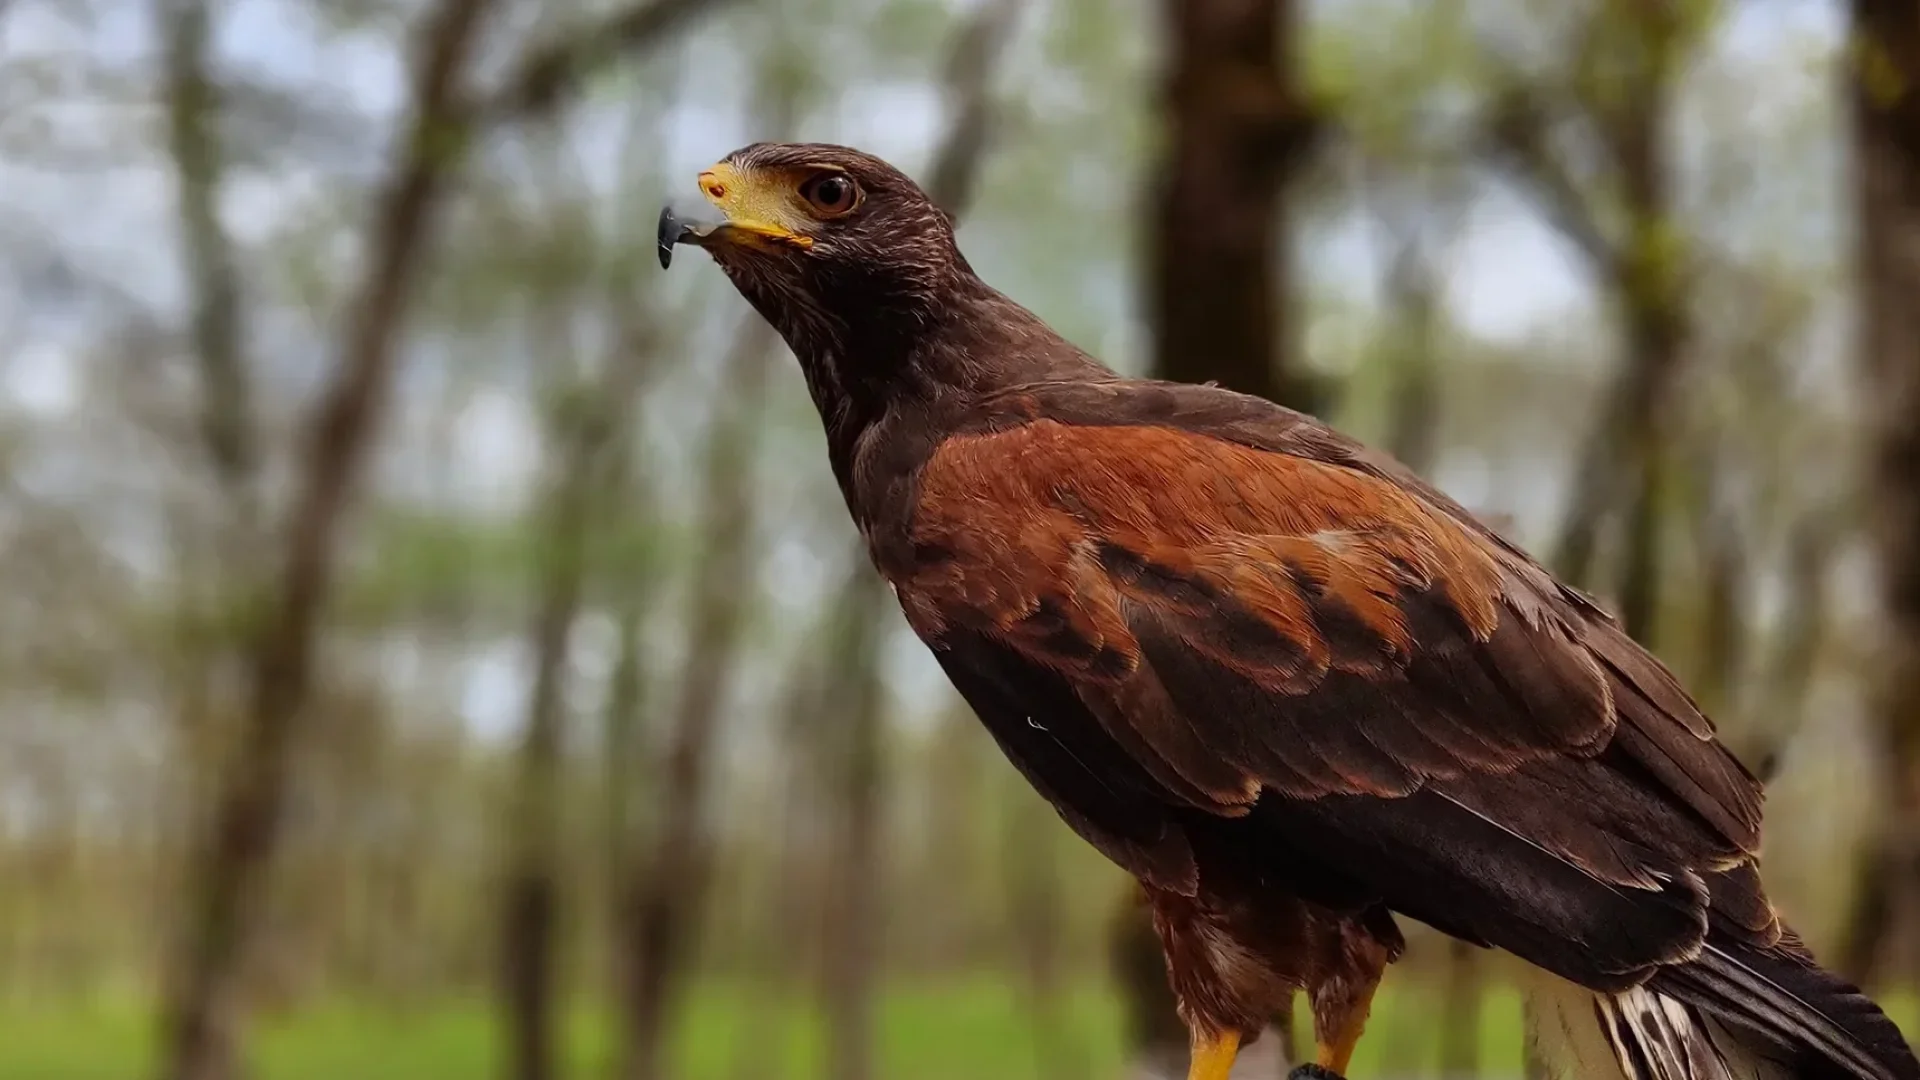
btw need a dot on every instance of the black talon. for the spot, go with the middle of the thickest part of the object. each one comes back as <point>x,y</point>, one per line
<point>1314,1072</point>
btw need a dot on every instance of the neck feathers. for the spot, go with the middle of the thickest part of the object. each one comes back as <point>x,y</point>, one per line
<point>931,354</point>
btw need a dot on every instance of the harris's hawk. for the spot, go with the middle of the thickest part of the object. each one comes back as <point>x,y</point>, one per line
<point>1292,688</point>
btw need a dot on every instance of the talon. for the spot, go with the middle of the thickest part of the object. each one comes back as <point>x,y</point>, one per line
<point>1314,1072</point>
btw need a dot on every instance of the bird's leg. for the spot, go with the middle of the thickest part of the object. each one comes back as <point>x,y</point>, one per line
<point>1342,1003</point>
<point>1213,1055</point>
<point>1345,1022</point>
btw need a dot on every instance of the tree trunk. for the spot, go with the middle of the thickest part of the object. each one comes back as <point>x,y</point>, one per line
<point>1627,460</point>
<point>624,764</point>
<point>1885,109</point>
<point>582,440</point>
<point>1624,69</point>
<point>198,1036</point>
<point>1413,418</point>
<point>1460,1012</point>
<point>194,118</point>
<point>1794,660</point>
<point>1238,128</point>
<point>1155,1034</point>
<point>1656,342</point>
<point>853,698</point>
<point>1035,913</point>
<point>665,895</point>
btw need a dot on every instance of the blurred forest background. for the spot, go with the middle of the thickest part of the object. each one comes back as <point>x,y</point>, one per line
<point>434,648</point>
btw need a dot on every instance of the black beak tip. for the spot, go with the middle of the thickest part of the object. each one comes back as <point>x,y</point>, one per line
<point>668,235</point>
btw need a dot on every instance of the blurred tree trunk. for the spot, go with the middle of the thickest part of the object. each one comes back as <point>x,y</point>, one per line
<point>1794,660</point>
<point>1464,991</point>
<point>195,114</point>
<point>1645,274</point>
<point>584,442</point>
<point>1238,129</point>
<point>194,117</point>
<point>200,1011</point>
<point>1724,572</point>
<point>665,891</point>
<point>1413,415</point>
<point>624,763</point>
<point>852,698</point>
<point>1648,282</point>
<point>796,895</point>
<point>1622,76</point>
<point>1035,911</point>
<point>1155,1031</point>
<point>1884,100</point>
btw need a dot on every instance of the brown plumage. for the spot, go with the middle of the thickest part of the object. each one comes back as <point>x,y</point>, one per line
<point>1290,687</point>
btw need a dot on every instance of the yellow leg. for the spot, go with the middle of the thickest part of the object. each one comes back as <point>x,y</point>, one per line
<point>1336,1047</point>
<point>1213,1056</point>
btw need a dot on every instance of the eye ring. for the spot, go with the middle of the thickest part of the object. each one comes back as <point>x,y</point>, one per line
<point>831,194</point>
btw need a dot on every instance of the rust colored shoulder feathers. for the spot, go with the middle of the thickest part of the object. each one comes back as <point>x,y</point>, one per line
<point>1240,606</point>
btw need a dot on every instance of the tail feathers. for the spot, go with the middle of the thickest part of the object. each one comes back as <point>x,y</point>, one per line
<point>1737,1012</point>
<point>1655,1037</point>
<point>1779,1000</point>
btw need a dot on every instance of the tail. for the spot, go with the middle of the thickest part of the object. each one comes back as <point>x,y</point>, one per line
<point>1737,1012</point>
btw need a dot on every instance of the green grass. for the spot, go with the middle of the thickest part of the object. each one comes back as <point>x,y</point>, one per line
<point>966,1030</point>
<point>955,1030</point>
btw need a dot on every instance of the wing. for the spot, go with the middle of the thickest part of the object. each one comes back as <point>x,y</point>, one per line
<point>1191,607</point>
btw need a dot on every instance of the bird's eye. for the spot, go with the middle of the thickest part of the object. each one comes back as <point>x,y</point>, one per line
<point>830,194</point>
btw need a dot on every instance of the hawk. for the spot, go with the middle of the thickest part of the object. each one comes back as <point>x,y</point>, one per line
<point>1296,691</point>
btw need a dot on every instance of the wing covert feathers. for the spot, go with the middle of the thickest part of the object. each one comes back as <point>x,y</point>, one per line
<point>1343,637</point>
<point>1227,615</point>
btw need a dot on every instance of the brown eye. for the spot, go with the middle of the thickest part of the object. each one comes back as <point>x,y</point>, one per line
<point>830,194</point>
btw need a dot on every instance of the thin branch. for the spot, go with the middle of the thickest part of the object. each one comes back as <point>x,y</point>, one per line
<point>548,73</point>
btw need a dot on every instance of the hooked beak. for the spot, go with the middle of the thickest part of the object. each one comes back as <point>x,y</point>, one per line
<point>685,226</point>
<point>707,227</point>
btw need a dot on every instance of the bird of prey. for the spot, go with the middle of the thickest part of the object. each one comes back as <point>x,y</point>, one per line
<point>1293,689</point>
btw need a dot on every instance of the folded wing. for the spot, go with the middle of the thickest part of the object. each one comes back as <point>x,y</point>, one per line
<point>1257,625</point>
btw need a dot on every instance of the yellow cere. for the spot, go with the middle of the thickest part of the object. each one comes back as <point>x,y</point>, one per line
<point>761,203</point>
